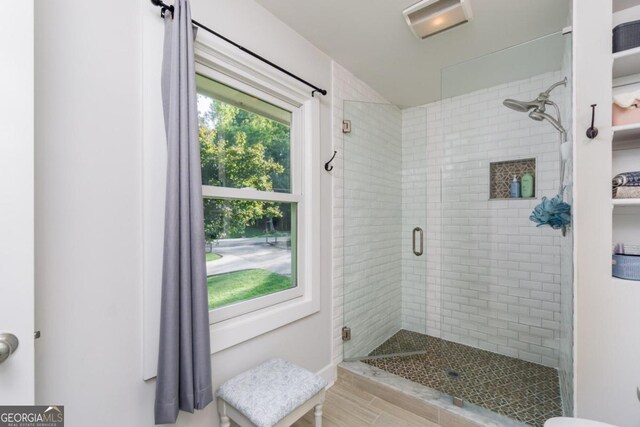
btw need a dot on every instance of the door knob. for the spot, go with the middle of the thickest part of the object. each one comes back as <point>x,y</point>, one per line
<point>8,345</point>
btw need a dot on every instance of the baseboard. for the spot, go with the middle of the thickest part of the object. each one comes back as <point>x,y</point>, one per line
<point>329,373</point>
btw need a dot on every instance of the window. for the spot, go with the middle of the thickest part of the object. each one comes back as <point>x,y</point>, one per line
<point>251,201</point>
<point>261,189</point>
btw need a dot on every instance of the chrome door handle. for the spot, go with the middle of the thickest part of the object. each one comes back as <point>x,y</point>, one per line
<point>8,346</point>
<point>413,238</point>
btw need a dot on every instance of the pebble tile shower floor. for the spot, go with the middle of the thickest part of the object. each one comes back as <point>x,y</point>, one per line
<point>520,390</point>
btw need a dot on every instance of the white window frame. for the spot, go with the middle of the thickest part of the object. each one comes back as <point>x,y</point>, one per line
<point>245,320</point>
<point>297,155</point>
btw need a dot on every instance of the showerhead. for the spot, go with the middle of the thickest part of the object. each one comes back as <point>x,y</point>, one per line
<point>537,107</point>
<point>537,104</point>
<point>519,106</point>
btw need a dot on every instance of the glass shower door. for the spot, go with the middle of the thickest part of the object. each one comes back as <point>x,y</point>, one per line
<point>383,263</point>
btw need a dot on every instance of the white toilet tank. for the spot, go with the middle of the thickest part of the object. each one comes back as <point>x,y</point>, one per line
<point>574,422</point>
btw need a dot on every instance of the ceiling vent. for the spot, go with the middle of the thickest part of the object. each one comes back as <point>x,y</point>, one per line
<point>430,17</point>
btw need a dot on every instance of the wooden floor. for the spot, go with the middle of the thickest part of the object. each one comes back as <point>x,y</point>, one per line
<point>347,406</point>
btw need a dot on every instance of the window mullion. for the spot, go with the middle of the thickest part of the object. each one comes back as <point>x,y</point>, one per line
<point>211,191</point>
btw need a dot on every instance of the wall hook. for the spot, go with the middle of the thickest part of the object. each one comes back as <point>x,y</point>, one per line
<point>327,166</point>
<point>592,132</point>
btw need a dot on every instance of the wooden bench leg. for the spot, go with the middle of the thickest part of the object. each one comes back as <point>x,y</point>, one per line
<point>222,411</point>
<point>318,416</point>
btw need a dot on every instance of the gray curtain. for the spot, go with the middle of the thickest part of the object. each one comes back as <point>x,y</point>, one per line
<point>184,359</point>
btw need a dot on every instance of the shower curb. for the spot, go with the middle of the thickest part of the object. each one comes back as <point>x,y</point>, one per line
<point>418,399</point>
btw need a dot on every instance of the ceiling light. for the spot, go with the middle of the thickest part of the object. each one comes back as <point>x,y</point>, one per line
<point>430,17</point>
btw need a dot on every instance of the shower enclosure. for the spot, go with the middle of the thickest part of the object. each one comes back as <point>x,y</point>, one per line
<point>447,282</point>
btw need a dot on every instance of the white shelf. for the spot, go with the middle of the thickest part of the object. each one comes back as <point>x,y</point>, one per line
<point>627,131</point>
<point>626,136</point>
<point>623,282</point>
<point>626,62</point>
<point>626,202</point>
<point>619,5</point>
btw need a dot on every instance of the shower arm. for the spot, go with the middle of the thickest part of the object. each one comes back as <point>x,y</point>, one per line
<point>562,82</point>
<point>543,97</point>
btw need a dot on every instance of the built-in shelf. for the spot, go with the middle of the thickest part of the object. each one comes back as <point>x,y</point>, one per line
<point>626,136</point>
<point>625,145</point>
<point>626,202</point>
<point>619,281</point>
<point>619,5</point>
<point>508,199</point>
<point>626,62</point>
<point>501,174</point>
<point>624,132</point>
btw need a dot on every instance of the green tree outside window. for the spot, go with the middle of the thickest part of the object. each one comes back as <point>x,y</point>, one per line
<point>240,149</point>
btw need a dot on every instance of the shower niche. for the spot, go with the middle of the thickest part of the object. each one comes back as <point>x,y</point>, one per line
<point>501,174</point>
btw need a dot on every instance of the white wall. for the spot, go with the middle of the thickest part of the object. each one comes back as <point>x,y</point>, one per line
<point>607,348</point>
<point>88,207</point>
<point>493,278</point>
<point>16,199</point>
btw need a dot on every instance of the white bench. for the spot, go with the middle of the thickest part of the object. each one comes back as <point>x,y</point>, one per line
<point>276,393</point>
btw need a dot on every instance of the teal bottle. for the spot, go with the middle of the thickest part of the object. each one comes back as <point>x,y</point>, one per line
<point>527,185</point>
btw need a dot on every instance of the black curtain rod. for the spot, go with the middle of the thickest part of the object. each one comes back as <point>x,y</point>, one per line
<point>315,88</point>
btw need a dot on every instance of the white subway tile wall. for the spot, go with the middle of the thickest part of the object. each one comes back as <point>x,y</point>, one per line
<point>372,225</point>
<point>420,304</point>
<point>492,277</point>
<point>488,278</point>
<point>347,87</point>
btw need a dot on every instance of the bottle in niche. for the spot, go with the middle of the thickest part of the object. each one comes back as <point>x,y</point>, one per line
<point>526,186</point>
<point>514,192</point>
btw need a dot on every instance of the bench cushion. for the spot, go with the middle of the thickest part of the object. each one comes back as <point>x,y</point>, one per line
<point>269,392</point>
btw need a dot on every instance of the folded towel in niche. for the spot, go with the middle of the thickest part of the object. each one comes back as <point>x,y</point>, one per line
<point>626,100</point>
<point>626,192</point>
<point>630,179</point>
<point>625,249</point>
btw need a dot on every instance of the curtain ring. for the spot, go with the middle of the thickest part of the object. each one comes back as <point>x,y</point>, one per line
<point>164,11</point>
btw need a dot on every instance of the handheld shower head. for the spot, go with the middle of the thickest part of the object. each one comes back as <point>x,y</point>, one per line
<point>540,116</point>
<point>519,106</point>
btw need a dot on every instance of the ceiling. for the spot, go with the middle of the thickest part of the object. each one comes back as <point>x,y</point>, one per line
<point>372,40</point>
